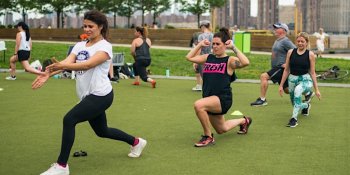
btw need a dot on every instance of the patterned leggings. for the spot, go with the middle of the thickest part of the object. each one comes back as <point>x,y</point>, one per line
<point>299,85</point>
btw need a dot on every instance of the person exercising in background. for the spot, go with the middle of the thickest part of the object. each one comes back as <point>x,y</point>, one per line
<point>22,52</point>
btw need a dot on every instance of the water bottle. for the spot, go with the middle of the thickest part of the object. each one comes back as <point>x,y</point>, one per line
<point>167,73</point>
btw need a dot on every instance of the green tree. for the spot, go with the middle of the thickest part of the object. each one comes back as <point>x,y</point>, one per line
<point>156,7</point>
<point>5,6</point>
<point>143,7</point>
<point>200,7</point>
<point>127,8</point>
<point>23,6</point>
<point>197,8</point>
<point>58,6</point>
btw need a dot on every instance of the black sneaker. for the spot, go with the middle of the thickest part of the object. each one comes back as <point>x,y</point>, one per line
<point>243,129</point>
<point>306,111</point>
<point>114,80</point>
<point>292,123</point>
<point>259,102</point>
<point>309,97</point>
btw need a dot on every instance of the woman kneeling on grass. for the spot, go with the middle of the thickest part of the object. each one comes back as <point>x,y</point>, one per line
<point>91,60</point>
<point>300,72</point>
<point>218,71</point>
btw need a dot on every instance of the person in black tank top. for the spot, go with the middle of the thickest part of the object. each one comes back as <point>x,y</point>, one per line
<point>300,71</point>
<point>217,94</point>
<point>140,51</point>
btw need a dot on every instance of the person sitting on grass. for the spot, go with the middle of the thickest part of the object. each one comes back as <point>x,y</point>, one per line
<point>218,70</point>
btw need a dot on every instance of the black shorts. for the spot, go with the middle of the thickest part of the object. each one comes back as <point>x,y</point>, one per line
<point>276,75</point>
<point>226,103</point>
<point>23,55</point>
<point>199,69</point>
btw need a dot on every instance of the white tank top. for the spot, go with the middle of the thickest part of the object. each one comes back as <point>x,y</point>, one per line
<point>24,44</point>
<point>95,80</point>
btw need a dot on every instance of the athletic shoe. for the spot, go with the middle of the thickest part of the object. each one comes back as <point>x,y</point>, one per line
<point>306,111</point>
<point>243,129</point>
<point>198,87</point>
<point>292,123</point>
<point>10,78</point>
<point>205,141</point>
<point>135,151</point>
<point>309,97</point>
<point>259,102</point>
<point>56,169</point>
<point>153,84</point>
<point>136,83</point>
<point>114,80</point>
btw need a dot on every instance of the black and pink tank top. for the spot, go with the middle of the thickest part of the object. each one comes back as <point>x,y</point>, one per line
<point>216,80</point>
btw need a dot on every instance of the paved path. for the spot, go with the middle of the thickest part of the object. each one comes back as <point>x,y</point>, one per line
<point>345,56</point>
<point>341,56</point>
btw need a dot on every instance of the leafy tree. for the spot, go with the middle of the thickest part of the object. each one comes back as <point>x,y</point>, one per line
<point>127,8</point>
<point>100,5</point>
<point>200,7</point>
<point>24,6</point>
<point>146,6</point>
<point>115,6</point>
<point>157,7</point>
<point>197,8</point>
<point>58,6</point>
<point>6,5</point>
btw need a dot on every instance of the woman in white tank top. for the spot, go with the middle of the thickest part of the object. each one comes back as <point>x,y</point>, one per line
<point>22,52</point>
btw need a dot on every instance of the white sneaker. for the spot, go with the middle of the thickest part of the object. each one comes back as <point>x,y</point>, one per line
<point>198,87</point>
<point>56,169</point>
<point>135,151</point>
<point>10,78</point>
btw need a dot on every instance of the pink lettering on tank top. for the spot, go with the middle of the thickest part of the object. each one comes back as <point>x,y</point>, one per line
<point>214,68</point>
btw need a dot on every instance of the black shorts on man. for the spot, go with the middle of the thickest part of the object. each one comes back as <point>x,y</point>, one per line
<point>276,75</point>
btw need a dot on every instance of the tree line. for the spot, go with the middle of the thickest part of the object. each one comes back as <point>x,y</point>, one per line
<point>124,8</point>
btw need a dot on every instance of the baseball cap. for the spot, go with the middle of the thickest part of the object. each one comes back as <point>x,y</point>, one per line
<point>204,23</point>
<point>281,25</point>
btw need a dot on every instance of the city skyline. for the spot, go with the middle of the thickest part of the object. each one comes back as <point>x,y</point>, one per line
<point>254,9</point>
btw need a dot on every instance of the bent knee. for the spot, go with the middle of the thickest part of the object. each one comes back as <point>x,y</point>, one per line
<point>198,106</point>
<point>221,131</point>
<point>264,76</point>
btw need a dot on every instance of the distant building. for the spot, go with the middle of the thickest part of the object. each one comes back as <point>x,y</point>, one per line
<point>286,14</point>
<point>335,16</point>
<point>268,13</point>
<point>234,12</point>
<point>8,19</point>
<point>311,14</point>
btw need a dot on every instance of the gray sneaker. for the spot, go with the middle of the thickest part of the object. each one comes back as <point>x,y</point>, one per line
<point>259,102</point>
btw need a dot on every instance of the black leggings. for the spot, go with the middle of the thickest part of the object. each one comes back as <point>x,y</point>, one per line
<point>91,108</point>
<point>140,68</point>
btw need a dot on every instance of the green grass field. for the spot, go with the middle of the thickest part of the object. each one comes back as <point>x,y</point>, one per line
<point>31,127</point>
<point>174,60</point>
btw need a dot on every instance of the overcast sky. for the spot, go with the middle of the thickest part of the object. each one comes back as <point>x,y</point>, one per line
<point>254,5</point>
